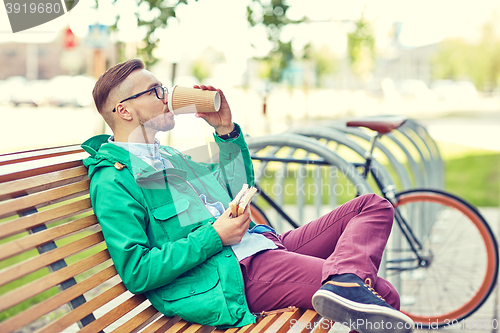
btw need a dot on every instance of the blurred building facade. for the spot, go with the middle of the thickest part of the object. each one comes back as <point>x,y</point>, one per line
<point>45,61</point>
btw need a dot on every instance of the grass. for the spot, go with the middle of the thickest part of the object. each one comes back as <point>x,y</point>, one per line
<point>476,178</point>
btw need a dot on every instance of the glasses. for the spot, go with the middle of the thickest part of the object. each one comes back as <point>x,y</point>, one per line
<point>160,92</point>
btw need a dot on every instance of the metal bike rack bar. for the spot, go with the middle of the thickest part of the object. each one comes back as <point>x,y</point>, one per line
<point>325,157</point>
<point>417,175</point>
<point>337,136</point>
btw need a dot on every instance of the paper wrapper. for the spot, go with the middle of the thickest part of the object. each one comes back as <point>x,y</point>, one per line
<point>189,100</point>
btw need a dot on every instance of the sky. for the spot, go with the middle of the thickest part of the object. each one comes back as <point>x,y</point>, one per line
<point>222,24</point>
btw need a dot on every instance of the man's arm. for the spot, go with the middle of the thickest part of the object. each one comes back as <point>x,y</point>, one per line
<point>235,164</point>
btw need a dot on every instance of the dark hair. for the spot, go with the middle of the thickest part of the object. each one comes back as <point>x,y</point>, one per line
<point>112,78</point>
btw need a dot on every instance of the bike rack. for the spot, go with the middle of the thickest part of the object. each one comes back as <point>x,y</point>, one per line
<point>270,149</point>
<point>338,137</point>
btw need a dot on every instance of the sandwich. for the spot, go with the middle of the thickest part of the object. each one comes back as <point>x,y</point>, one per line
<point>242,200</point>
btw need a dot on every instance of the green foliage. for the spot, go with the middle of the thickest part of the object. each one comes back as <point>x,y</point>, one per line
<point>459,59</point>
<point>361,48</point>
<point>273,16</point>
<point>476,178</point>
<point>165,10</point>
<point>324,60</point>
<point>200,69</point>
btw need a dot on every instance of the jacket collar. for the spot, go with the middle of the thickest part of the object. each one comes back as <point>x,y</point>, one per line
<point>103,152</point>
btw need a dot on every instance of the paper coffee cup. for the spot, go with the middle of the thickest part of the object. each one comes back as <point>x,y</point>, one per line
<point>190,100</point>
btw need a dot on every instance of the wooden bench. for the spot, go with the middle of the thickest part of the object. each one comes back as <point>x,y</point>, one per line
<point>56,274</point>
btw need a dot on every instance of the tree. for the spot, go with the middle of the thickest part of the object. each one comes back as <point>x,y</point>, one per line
<point>325,62</point>
<point>361,48</point>
<point>458,59</point>
<point>164,9</point>
<point>273,16</point>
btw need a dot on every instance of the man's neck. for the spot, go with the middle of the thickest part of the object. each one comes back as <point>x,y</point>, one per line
<point>139,135</point>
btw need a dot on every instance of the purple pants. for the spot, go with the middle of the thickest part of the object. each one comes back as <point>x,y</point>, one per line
<point>349,239</point>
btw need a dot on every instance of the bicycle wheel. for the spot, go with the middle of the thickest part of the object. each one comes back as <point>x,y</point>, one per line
<point>461,258</point>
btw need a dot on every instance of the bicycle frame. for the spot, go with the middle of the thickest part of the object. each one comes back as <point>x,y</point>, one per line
<point>420,259</point>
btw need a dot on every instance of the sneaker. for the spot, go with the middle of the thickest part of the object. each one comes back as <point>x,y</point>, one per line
<point>349,301</point>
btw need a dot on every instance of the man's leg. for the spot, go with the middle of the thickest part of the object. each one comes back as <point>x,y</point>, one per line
<point>361,225</point>
<point>352,237</point>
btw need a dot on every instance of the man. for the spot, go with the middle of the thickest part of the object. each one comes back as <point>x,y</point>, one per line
<point>170,234</point>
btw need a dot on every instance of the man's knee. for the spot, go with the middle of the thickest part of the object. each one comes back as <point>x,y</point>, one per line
<point>372,199</point>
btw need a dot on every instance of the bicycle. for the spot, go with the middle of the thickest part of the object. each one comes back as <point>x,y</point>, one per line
<point>444,261</point>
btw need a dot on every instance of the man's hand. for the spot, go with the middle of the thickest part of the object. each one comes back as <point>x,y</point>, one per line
<point>231,230</point>
<point>221,121</point>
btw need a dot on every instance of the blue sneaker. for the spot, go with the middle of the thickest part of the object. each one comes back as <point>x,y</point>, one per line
<point>349,301</point>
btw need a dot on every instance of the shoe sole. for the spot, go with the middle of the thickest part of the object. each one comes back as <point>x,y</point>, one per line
<point>364,318</point>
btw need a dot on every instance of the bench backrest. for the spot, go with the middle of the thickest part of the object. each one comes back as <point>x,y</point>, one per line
<point>55,270</point>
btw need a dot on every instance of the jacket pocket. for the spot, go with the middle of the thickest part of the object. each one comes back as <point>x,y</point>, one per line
<point>174,219</point>
<point>196,298</point>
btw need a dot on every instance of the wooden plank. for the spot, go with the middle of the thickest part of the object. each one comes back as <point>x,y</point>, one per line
<point>37,311</point>
<point>179,327</point>
<point>37,154</point>
<point>25,171</point>
<point>46,282</point>
<point>84,310</point>
<point>33,264</point>
<point>42,182</point>
<point>142,319</point>
<point>264,323</point>
<point>283,323</point>
<point>306,322</point>
<point>46,216</point>
<point>114,314</point>
<point>40,199</point>
<point>324,326</point>
<point>24,244</point>
<point>197,328</point>
<point>247,328</point>
<point>161,325</point>
<point>229,330</point>
<point>147,322</point>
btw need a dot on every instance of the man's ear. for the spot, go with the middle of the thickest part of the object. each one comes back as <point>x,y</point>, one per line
<point>123,112</point>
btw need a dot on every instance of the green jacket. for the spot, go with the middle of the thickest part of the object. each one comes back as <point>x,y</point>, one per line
<point>160,234</point>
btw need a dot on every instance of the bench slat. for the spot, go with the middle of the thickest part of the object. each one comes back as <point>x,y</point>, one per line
<point>161,325</point>
<point>306,322</point>
<point>42,308</point>
<point>139,321</point>
<point>324,326</point>
<point>197,328</point>
<point>84,309</point>
<point>264,323</point>
<point>229,330</point>
<point>36,154</point>
<point>33,264</point>
<point>179,327</point>
<point>47,216</point>
<point>40,199</point>
<point>34,288</point>
<point>42,182</point>
<point>281,325</point>
<point>30,242</point>
<point>114,314</point>
<point>247,328</point>
<point>26,172</point>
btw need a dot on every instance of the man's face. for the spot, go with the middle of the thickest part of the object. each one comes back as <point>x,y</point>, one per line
<point>148,110</point>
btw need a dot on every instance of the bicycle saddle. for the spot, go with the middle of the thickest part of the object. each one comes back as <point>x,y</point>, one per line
<point>382,124</point>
